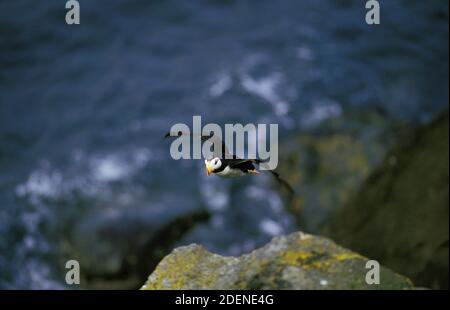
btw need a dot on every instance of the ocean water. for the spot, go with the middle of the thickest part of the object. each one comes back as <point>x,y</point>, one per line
<point>83,111</point>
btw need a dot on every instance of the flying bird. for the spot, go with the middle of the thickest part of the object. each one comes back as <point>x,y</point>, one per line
<point>224,164</point>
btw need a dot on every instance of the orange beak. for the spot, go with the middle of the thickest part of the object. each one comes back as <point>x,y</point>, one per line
<point>209,167</point>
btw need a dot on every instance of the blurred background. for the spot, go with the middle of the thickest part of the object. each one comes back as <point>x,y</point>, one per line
<point>86,174</point>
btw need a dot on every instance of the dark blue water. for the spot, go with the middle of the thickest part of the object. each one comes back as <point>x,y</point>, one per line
<point>83,110</point>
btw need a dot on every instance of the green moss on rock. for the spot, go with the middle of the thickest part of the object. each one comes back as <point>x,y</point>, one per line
<point>327,165</point>
<point>296,261</point>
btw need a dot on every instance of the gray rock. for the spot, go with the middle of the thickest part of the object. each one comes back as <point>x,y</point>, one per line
<point>118,250</point>
<point>296,261</point>
<point>400,214</point>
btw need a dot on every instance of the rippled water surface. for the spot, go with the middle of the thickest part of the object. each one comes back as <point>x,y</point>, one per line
<point>83,110</point>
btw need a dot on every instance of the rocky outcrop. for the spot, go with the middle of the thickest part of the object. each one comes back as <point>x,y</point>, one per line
<point>400,216</point>
<point>296,261</point>
<point>326,165</point>
<point>118,250</point>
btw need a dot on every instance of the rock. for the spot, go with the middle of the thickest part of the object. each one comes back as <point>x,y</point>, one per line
<point>296,261</point>
<point>327,165</point>
<point>400,216</point>
<point>117,250</point>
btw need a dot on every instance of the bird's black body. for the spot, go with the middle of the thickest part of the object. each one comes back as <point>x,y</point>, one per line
<point>226,165</point>
<point>243,165</point>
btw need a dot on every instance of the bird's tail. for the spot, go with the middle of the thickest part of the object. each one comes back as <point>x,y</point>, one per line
<point>276,175</point>
<point>283,182</point>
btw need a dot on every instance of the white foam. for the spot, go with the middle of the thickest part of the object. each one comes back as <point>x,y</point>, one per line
<point>109,169</point>
<point>38,276</point>
<point>271,227</point>
<point>40,183</point>
<point>142,157</point>
<point>223,84</point>
<point>255,192</point>
<point>85,174</point>
<point>267,89</point>
<point>264,87</point>
<point>262,193</point>
<point>281,107</point>
<point>116,167</point>
<point>215,197</point>
<point>322,111</point>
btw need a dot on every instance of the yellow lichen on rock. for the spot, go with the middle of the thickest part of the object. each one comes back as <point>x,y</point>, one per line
<point>296,261</point>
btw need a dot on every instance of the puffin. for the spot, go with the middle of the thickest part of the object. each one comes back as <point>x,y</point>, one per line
<point>225,165</point>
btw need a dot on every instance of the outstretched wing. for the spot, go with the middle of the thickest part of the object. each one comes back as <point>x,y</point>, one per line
<point>236,161</point>
<point>220,150</point>
<point>232,160</point>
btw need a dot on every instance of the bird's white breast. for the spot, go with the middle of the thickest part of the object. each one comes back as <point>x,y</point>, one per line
<point>229,172</point>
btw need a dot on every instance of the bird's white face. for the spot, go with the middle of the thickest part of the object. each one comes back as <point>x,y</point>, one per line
<point>212,164</point>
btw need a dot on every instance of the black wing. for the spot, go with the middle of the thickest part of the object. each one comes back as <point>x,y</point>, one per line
<point>232,160</point>
<point>276,175</point>
<point>237,161</point>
